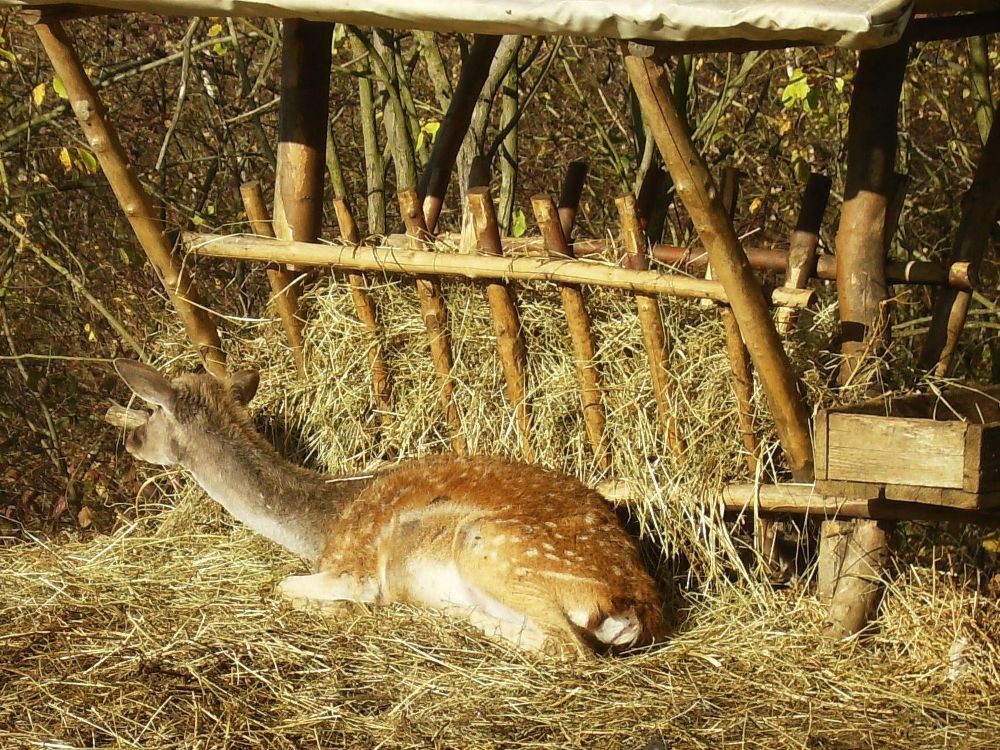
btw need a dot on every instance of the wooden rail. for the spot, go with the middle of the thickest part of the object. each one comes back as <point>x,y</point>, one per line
<point>388,259</point>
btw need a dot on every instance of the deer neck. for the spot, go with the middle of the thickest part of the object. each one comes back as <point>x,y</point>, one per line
<point>290,505</point>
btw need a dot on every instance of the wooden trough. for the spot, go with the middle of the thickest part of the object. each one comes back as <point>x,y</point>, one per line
<point>938,449</point>
<point>961,477</point>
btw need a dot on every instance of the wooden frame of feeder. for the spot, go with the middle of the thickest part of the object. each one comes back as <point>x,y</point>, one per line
<point>871,205</point>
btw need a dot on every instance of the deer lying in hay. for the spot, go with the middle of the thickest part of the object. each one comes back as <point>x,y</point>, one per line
<point>530,555</point>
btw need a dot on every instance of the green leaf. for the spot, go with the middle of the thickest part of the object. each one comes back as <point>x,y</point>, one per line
<point>520,224</point>
<point>87,158</point>
<point>59,87</point>
<point>797,90</point>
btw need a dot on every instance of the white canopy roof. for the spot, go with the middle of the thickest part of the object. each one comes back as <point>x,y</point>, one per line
<point>852,23</point>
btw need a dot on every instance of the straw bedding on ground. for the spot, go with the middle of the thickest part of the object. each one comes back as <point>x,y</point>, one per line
<point>167,633</point>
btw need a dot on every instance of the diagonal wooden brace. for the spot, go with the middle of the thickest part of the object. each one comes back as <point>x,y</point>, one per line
<point>700,195</point>
<point>103,140</point>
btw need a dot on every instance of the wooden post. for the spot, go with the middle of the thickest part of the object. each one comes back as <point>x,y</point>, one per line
<point>103,140</point>
<point>804,243</point>
<point>833,538</point>
<point>283,286</point>
<point>578,320</point>
<point>368,315</point>
<point>653,183</point>
<point>862,292</point>
<point>980,206</point>
<point>737,352</point>
<point>435,315</point>
<point>859,585</point>
<point>569,197</point>
<point>301,160</point>
<point>871,153</point>
<point>506,319</point>
<point>697,190</point>
<point>654,337</point>
<point>434,181</point>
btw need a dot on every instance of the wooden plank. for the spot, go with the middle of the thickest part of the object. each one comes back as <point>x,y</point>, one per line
<point>945,496</point>
<point>975,403</point>
<point>820,444</point>
<point>863,448</point>
<point>907,493</point>
<point>989,458</point>
<point>972,467</point>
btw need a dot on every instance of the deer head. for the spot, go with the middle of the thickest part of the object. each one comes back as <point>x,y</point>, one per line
<point>179,409</point>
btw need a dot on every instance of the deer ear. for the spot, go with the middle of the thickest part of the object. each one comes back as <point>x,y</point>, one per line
<point>146,383</point>
<point>243,385</point>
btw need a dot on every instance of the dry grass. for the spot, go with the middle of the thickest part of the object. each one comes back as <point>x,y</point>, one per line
<point>167,633</point>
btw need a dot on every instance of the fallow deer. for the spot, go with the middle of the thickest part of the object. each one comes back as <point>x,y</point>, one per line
<point>530,555</point>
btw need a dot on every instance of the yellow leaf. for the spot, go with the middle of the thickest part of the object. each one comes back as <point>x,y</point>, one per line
<point>65,159</point>
<point>992,545</point>
<point>19,220</point>
<point>215,29</point>
<point>38,94</point>
<point>755,205</point>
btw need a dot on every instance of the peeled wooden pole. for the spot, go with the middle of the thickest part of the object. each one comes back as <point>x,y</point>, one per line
<point>578,320</point>
<point>302,126</point>
<point>958,275</point>
<point>103,140</point>
<point>434,181</point>
<point>284,295</point>
<point>395,259</point>
<point>654,337</point>
<point>871,152</point>
<point>855,555</point>
<point>697,190</point>
<point>859,582</point>
<point>803,500</point>
<point>739,356</point>
<point>506,318</point>
<point>802,248</point>
<point>569,197</point>
<point>650,191</point>
<point>435,315</point>
<point>980,206</point>
<point>368,315</point>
